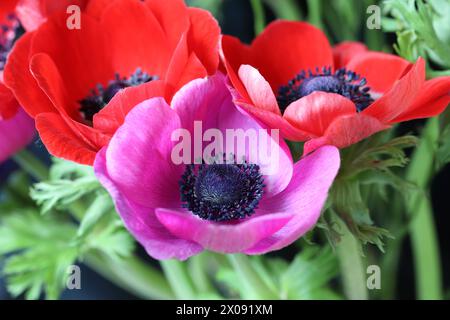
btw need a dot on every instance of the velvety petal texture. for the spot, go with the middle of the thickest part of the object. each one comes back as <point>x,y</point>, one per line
<point>397,88</point>
<point>15,133</point>
<point>32,13</point>
<point>53,69</point>
<point>139,171</point>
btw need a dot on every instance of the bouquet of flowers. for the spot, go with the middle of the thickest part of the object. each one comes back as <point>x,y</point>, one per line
<point>172,157</point>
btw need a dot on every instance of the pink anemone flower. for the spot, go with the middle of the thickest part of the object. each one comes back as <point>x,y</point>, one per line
<point>15,133</point>
<point>178,210</point>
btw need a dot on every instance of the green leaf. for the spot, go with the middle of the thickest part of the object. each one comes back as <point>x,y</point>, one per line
<point>363,157</point>
<point>98,209</point>
<point>419,29</point>
<point>39,252</point>
<point>350,206</point>
<point>308,275</point>
<point>59,194</point>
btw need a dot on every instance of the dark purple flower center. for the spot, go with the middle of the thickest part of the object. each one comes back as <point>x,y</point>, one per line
<point>9,33</point>
<point>344,82</point>
<point>221,192</point>
<point>101,96</point>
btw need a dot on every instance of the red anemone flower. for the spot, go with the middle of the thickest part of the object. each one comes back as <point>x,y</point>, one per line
<point>16,127</point>
<point>65,78</point>
<point>292,79</point>
<point>32,13</point>
<point>9,29</point>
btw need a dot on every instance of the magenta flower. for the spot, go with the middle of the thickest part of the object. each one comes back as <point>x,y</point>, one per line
<point>15,133</point>
<point>178,210</point>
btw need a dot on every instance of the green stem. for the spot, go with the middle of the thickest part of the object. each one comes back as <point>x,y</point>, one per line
<point>423,232</point>
<point>198,271</point>
<point>259,16</point>
<point>29,163</point>
<point>249,278</point>
<point>315,13</point>
<point>285,9</point>
<point>131,274</point>
<point>177,276</point>
<point>351,263</point>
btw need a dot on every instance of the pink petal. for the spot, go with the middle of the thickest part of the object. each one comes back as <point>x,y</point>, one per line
<point>139,155</point>
<point>15,134</point>
<point>209,100</point>
<point>258,89</point>
<point>303,198</point>
<point>272,120</point>
<point>221,237</point>
<point>142,222</point>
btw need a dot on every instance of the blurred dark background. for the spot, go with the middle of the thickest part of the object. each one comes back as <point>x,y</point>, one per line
<point>236,19</point>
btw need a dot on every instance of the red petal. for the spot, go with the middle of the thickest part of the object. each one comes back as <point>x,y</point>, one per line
<point>345,131</point>
<point>81,56</point>
<point>138,43</point>
<point>15,133</point>
<point>113,115</point>
<point>183,67</point>
<point>234,54</point>
<point>18,78</point>
<point>432,99</point>
<point>95,8</point>
<point>49,80</point>
<point>8,103</point>
<point>400,96</point>
<point>6,8</point>
<point>32,13</point>
<point>315,112</point>
<point>259,90</point>
<point>274,121</point>
<point>381,70</point>
<point>173,17</point>
<point>203,38</point>
<point>51,83</point>
<point>61,141</point>
<point>346,51</point>
<point>285,48</point>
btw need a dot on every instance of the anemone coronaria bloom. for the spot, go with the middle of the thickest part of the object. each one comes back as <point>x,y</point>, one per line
<point>291,78</point>
<point>32,13</point>
<point>9,31</point>
<point>178,210</point>
<point>15,133</point>
<point>65,77</point>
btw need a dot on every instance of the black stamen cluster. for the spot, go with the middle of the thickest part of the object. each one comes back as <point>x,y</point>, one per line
<point>344,82</point>
<point>101,96</point>
<point>221,192</point>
